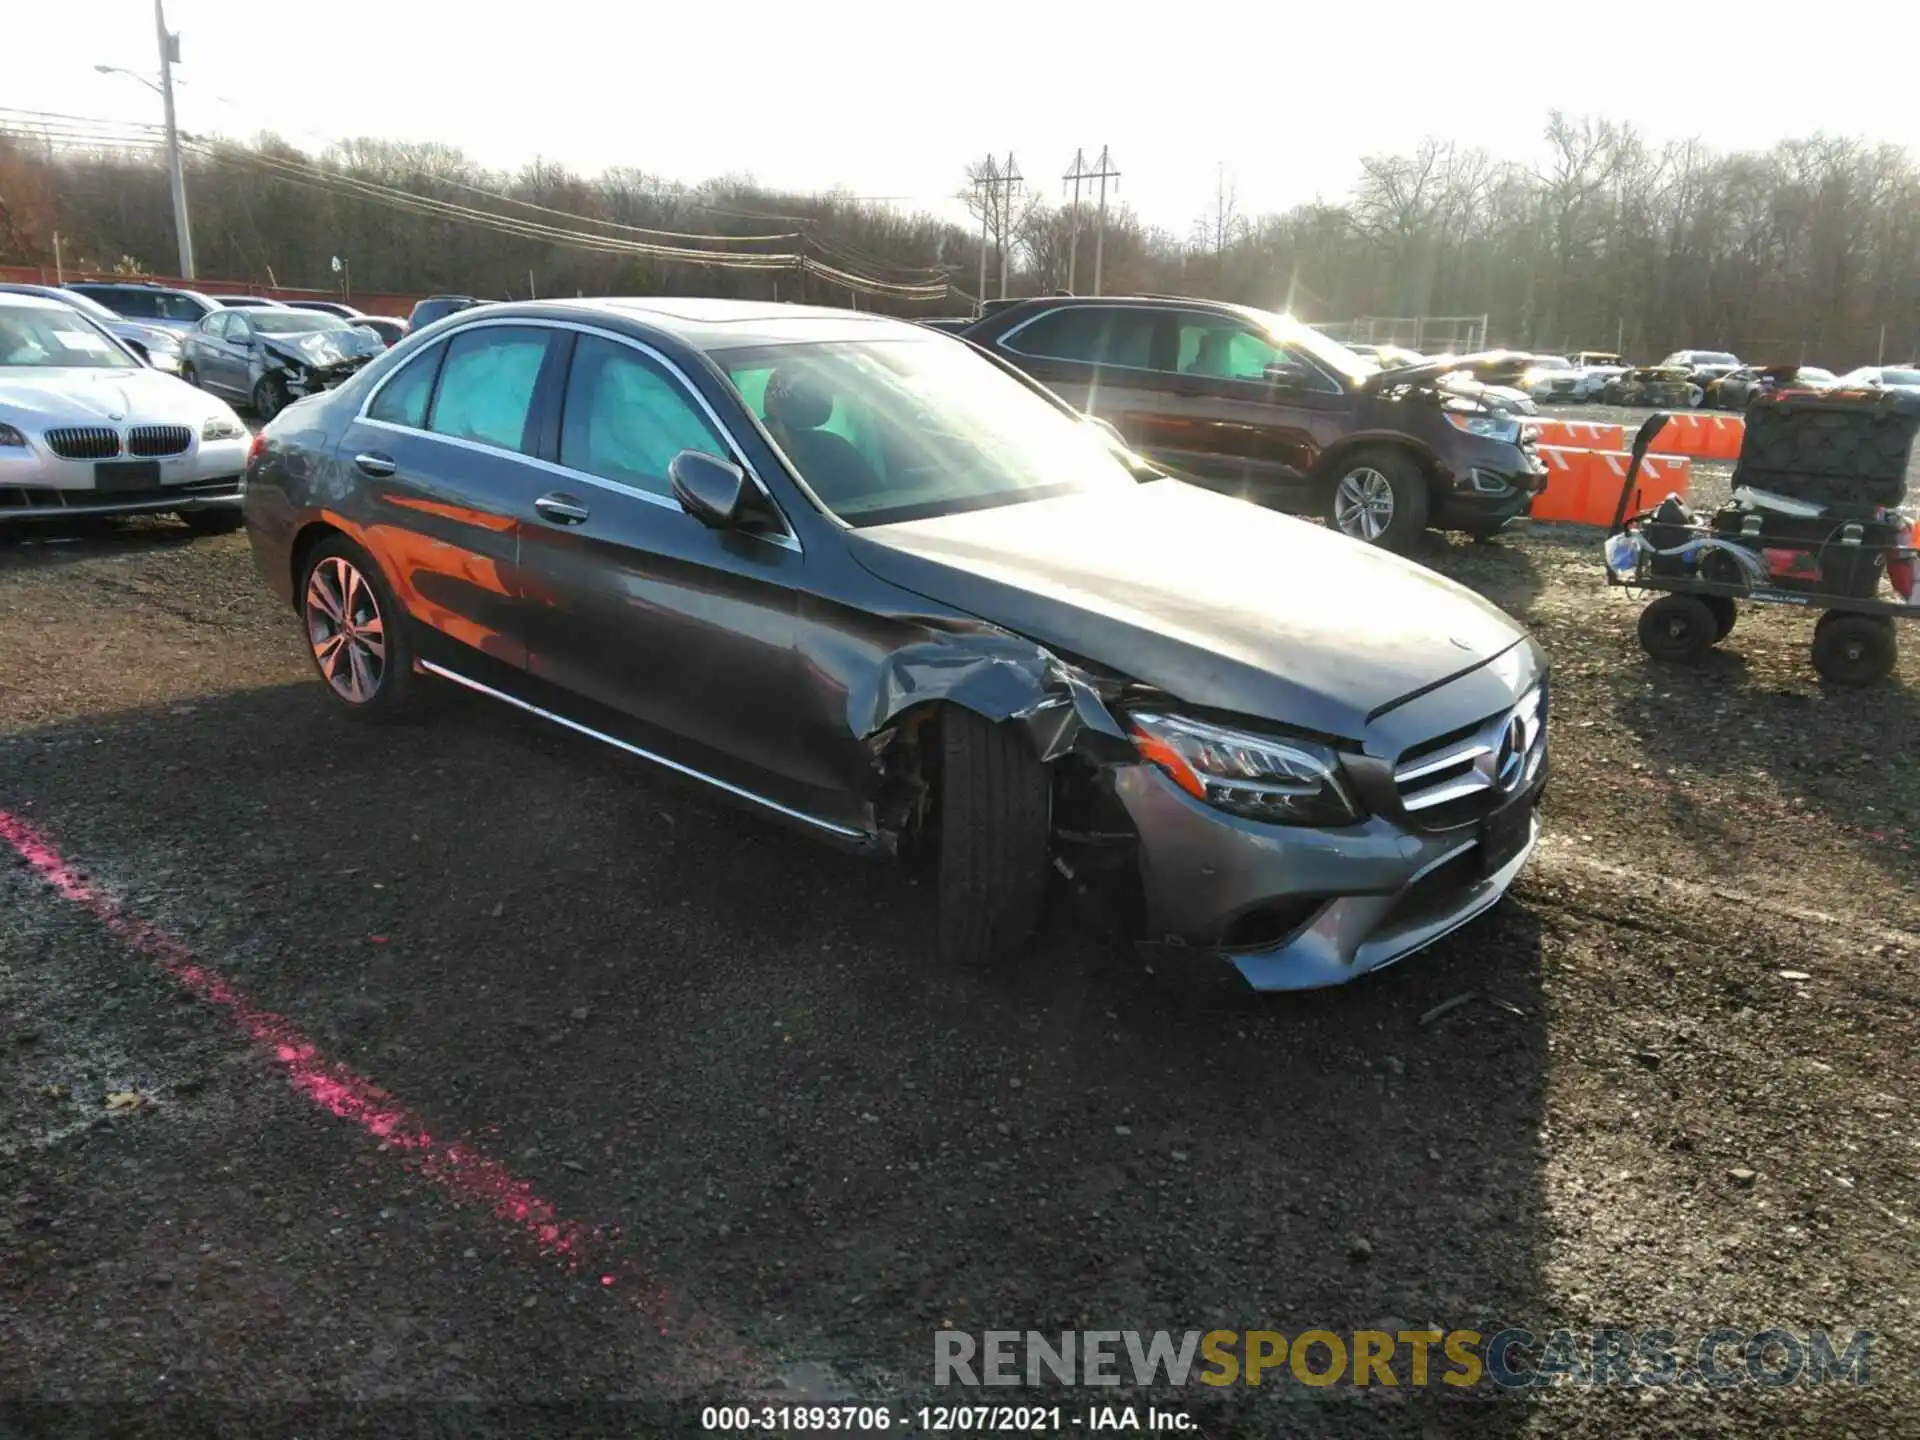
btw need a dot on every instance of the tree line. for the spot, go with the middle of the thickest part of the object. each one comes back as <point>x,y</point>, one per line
<point>1807,250</point>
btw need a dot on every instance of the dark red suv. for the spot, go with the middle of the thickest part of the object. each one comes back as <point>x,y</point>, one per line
<point>1262,407</point>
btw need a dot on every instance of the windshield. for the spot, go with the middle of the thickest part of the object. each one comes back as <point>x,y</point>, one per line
<point>902,429</point>
<point>1900,377</point>
<point>293,322</point>
<point>57,338</point>
<point>1714,357</point>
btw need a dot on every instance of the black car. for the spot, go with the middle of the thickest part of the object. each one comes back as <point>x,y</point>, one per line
<point>868,579</point>
<point>437,307</point>
<point>264,359</point>
<point>149,303</point>
<point>1264,408</point>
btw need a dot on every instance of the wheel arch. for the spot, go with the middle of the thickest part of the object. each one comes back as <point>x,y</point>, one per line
<point>1327,468</point>
<point>305,541</point>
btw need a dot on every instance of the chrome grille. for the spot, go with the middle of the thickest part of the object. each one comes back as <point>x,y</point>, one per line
<point>158,439</point>
<point>1466,772</point>
<point>84,442</point>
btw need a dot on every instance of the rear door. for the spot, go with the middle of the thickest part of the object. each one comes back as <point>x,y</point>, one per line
<point>1098,359</point>
<point>656,629</point>
<point>443,449</point>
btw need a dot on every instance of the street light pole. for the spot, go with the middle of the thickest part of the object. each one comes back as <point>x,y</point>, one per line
<point>169,51</point>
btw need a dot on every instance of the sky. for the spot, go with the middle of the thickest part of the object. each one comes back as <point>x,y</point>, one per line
<point>894,101</point>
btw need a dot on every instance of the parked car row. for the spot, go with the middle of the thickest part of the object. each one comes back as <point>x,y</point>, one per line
<point>1714,379</point>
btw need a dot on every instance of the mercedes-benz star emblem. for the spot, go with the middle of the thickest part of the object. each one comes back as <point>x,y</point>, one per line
<point>1510,760</point>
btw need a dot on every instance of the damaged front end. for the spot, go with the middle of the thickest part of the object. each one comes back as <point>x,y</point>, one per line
<point>317,360</point>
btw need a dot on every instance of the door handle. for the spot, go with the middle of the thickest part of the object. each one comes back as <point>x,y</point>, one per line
<point>371,462</point>
<point>561,509</point>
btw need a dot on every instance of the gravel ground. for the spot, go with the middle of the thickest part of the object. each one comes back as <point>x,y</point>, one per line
<point>781,1146</point>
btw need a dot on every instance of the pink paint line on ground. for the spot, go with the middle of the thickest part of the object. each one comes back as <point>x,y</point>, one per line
<point>469,1177</point>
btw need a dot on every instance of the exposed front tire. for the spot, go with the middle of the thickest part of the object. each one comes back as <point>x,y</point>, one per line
<point>356,633</point>
<point>1854,649</point>
<point>1380,496</point>
<point>1678,628</point>
<point>993,821</point>
<point>211,522</point>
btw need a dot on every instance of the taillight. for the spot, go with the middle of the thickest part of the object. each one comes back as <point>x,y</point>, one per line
<point>259,444</point>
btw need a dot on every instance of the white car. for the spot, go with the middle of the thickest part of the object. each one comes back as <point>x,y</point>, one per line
<point>86,429</point>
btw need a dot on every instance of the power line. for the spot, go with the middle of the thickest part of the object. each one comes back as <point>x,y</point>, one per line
<point>1104,173</point>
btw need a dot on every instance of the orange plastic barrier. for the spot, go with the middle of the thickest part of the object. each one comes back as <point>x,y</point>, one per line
<point>1565,497</point>
<point>1583,486</point>
<point>1582,434</point>
<point>1702,436</point>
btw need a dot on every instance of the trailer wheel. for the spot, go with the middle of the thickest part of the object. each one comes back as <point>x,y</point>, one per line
<point>1678,628</point>
<point>1724,614</point>
<point>995,808</point>
<point>1854,649</point>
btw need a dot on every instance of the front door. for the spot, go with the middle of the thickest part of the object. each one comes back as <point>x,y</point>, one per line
<point>643,623</point>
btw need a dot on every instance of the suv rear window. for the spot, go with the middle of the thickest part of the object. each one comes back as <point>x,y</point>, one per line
<point>1071,333</point>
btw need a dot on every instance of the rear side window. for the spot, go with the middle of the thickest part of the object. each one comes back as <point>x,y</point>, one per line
<point>403,399</point>
<point>625,418</point>
<point>486,385</point>
<point>1073,332</point>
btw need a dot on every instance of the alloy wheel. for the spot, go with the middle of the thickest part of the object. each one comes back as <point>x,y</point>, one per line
<point>1363,503</point>
<point>346,630</point>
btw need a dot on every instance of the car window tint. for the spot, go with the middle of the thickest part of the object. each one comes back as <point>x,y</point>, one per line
<point>625,418</point>
<point>176,307</point>
<point>486,385</point>
<point>1070,333</point>
<point>135,304</point>
<point>1221,350</point>
<point>1130,339</point>
<point>403,399</point>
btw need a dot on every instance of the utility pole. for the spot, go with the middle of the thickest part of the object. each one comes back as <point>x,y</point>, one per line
<point>1105,173</point>
<point>984,182</point>
<point>1073,214</point>
<point>169,56</point>
<point>1011,178</point>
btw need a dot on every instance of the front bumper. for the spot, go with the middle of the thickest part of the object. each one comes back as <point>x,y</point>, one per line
<point>1359,898</point>
<point>36,484</point>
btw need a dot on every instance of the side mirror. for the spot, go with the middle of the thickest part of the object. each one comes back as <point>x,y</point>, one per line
<point>140,350</point>
<point>1286,372</point>
<point>711,490</point>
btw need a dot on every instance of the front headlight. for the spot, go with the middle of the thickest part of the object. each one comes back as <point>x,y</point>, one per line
<point>1490,427</point>
<point>222,427</point>
<point>10,437</point>
<point>1283,782</point>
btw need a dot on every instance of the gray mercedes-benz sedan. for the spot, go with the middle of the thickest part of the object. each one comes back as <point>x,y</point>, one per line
<point>862,576</point>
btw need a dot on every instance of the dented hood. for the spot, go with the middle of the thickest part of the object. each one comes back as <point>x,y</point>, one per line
<point>324,349</point>
<point>1493,367</point>
<point>1218,602</point>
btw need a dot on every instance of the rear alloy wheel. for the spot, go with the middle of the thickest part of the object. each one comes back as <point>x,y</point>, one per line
<point>1678,628</point>
<point>269,397</point>
<point>994,815</point>
<point>352,626</point>
<point>1380,499</point>
<point>1854,649</point>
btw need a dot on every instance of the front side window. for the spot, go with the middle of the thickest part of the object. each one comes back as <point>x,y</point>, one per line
<point>625,418</point>
<point>134,304</point>
<point>486,385</point>
<point>1216,349</point>
<point>168,306</point>
<point>403,399</point>
<point>56,338</point>
<point>891,430</point>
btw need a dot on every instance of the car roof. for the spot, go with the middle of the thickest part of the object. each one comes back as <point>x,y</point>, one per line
<point>37,302</point>
<point>721,324</point>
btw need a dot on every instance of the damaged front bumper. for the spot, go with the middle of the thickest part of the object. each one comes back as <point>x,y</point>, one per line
<point>1295,908</point>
